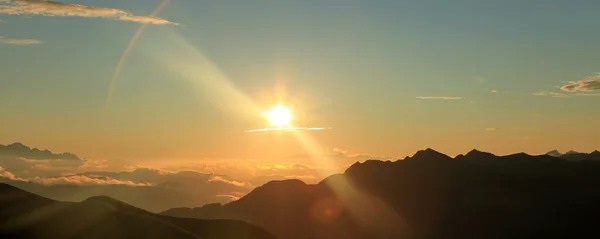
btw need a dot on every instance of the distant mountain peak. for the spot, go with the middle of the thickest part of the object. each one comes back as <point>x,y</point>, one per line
<point>430,154</point>
<point>474,151</point>
<point>104,200</point>
<point>17,145</point>
<point>521,154</point>
<point>554,153</point>
<point>287,182</point>
<point>476,154</point>
<point>20,150</point>
<point>572,152</point>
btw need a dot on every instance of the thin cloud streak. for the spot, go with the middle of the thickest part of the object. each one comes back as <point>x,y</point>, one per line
<point>562,95</point>
<point>12,41</point>
<point>72,180</point>
<point>60,9</point>
<point>440,97</point>
<point>551,94</point>
<point>291,129</point>
<point>497,129</point>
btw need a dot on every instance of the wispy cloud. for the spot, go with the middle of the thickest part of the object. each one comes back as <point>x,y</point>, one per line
<point>497,129</point>
<point>74,179</point>
<point>587,94</point>
<point>13,41</point>
<point>563,95</point>
<point>590,83</point>
<point>231,197</point>
<point>551,94</point>
<point>494,91</point>
<point>440,97</point>
<point>224,180</point>
<point>83,180</point>
<point>59,9</point>
<point>7,174</point>
<point>291,129</point>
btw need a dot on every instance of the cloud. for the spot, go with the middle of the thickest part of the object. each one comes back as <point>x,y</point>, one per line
<point>7,174</point>
<point>439,97</point>
<point>551,94</point>
<point>73,179</point>
<point>494,91</point>
<point>345,154</point>
<point>590,83</point>
<point>224,180</point>
<point>34,167</point>
<point>497,129</point>
<point>563,95</point>
<point>231,197</point>
<point>59,9</point>
<point>83,180</point>
<point>12,41</point>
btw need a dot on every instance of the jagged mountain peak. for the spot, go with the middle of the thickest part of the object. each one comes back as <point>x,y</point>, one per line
<point>554,153</point>
<point>429,154</point>
<point>20,150</point>
<point>476,152</point>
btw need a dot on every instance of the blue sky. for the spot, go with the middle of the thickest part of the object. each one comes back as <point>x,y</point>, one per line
<point>389,77</point>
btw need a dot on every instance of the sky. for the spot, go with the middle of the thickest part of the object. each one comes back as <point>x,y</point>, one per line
<point>172,83</point>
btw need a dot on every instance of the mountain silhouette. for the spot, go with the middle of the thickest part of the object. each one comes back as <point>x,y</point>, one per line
<point>554,153</point>
<point>26,215</point>
<point>576,156</point>
<point>164,190</point>
<point>476,155</point>
<point>429,195</point>
<point>22,151</point>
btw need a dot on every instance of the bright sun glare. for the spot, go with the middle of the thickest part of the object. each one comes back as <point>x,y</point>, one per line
<point>279,116</point>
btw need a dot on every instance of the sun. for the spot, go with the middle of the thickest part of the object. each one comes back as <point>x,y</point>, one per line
<point>279,116</point>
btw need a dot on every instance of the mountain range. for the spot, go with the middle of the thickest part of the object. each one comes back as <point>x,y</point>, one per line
<point>430,195</point>
<point>23,151</point>
<point>154,190</point>
<point>150,189</point>
<point>27,215</point>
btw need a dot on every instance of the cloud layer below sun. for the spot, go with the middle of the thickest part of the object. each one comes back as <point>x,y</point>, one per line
<point>59,9</point>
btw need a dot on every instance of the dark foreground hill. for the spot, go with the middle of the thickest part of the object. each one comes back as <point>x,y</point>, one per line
<point>26,215</point>
<point>430,195</point>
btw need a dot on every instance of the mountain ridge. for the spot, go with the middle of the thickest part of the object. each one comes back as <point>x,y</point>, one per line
<point>430,195</point>
<point>104,217</point>
<point>20,150</point>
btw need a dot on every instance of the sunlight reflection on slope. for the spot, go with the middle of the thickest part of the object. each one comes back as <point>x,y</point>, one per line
<point>369,212</point>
